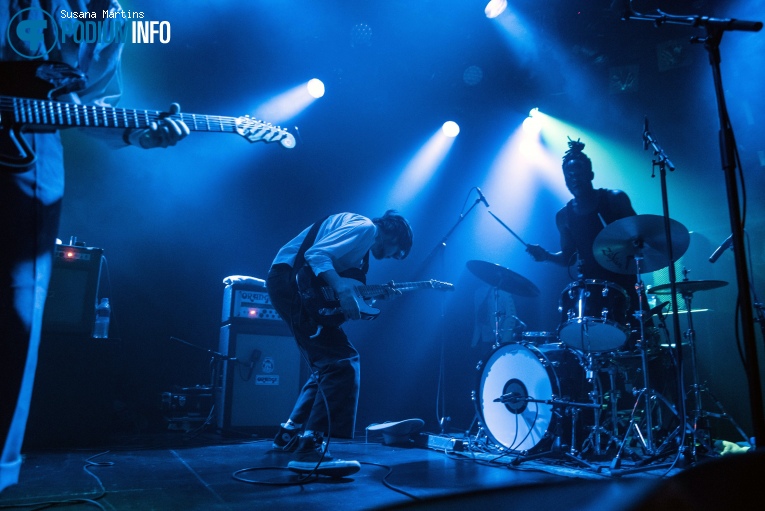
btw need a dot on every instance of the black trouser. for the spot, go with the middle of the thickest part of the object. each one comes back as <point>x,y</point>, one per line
<point>333,360</point>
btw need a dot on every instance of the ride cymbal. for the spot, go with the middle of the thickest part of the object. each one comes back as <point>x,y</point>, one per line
<point>643,237</point>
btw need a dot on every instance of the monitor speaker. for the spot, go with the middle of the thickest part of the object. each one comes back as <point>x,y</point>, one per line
<point>261,380</point>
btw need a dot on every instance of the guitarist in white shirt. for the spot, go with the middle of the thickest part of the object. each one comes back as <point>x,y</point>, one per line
<point>30,197</point>
<point>334,250</point>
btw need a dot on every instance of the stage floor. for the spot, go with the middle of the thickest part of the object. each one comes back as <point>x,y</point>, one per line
<point>180,471</point>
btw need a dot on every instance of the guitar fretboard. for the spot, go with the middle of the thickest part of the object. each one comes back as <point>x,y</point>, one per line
<point>62,114</point>
<point>380,290</point>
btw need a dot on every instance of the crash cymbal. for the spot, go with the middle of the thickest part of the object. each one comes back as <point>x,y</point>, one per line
<point>502,278</point>
<point>687,286</point>
<point>617,245</point>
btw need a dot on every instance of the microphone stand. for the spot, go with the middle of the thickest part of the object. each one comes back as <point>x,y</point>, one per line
<point>664,163</point>
<point>439,250</point>
<point>215,361</point>
<point>715,28</point>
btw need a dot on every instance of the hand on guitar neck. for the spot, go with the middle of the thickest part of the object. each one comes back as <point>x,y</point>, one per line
<point>332,299</point>
<point>163,132</point>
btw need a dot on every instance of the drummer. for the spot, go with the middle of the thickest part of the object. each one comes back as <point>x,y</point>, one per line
<point>582,218</point>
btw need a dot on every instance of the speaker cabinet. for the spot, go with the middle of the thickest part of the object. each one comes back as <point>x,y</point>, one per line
<point>260,385</point>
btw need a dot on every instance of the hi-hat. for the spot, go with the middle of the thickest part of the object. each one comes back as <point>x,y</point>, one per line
<point>620,242</point>
<point>687,286</point>
<point>502,278</point>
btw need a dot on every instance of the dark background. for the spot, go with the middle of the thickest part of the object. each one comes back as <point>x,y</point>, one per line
<point>173,223</point>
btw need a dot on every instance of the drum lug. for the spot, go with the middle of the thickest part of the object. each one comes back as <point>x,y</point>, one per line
<point>604,292</point>
<point>604,312</point>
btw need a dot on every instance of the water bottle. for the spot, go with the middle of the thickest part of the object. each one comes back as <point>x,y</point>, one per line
<point>101,326</point>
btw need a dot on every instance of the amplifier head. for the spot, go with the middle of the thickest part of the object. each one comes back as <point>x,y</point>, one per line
<point>247,301</point>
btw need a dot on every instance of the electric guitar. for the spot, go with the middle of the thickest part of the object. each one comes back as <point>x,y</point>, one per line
<point>50,79</point>
<point>323,306</point>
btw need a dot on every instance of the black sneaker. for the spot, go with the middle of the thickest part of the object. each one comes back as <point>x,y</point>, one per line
<point>310,456</point>
<point>286,439</point>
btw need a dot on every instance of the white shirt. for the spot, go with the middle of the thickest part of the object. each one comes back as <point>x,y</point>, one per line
<point>341,243</point>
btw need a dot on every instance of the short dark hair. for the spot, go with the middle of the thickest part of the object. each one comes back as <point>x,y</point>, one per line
<point>396,226</point>
<point>574,153</point>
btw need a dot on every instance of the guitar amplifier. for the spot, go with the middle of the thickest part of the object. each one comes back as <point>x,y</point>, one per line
<point>246,301</point>
<point>73,290</point>
<point>261,380</point>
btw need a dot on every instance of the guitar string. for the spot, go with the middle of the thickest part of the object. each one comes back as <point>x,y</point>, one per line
<point>56,112</point>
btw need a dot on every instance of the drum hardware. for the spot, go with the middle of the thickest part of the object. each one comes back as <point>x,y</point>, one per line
<point>502,278</point>
<point>641,244</point>
<point>700,438</point>
<point>569,408</point>
<point>594,316</point>
<point>652,399</point>
<point>592,367</point>
<point>524,396</point>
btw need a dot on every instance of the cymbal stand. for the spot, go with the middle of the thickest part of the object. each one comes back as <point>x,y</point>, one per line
<point>640,288</point>
<point>591,369</point>
<point>497,315</point>
<point>715,28</point>
<point>651,397</point>
<point>699,438</point>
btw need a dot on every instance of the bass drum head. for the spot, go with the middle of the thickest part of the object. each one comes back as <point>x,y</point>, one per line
<point>518,372</point>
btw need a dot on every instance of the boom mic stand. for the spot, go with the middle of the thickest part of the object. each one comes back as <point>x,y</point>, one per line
<point>439,251</point>
<point>715,28</point>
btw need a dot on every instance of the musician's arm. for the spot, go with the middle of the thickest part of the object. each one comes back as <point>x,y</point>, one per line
<point>561,257</point>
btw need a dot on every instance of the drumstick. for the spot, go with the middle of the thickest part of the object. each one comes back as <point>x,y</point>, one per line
<point>509,229</point>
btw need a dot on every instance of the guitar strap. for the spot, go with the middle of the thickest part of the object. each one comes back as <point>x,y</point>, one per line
<point>307,243</point>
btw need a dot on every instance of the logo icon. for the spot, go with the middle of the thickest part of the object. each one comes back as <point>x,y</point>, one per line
<point>32,32</point>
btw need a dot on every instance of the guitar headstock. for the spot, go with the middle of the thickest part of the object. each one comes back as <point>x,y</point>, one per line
<point>441,286</point>
<point>259,131</point>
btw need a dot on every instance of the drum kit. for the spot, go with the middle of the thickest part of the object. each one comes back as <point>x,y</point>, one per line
<point>577,392</point>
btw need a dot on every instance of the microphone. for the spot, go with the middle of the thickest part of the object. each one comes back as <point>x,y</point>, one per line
<point>722,248</point>
<point>481,197</point>
<point>519,322</point>
<point>254,357</point>
<point>511,397</point>
<point>645,133</point>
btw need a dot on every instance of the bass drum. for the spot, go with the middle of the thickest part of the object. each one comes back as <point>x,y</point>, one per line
<point>522,373</point>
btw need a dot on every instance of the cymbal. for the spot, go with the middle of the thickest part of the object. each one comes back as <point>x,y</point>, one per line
<point>617,245</point>
<point>502,278</point>
<point>687,286</point>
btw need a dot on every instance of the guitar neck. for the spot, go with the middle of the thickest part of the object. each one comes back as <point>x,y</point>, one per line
<point>376,290</point>
<point>36,112</point>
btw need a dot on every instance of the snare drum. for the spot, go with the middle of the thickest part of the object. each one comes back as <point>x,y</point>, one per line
<point>539,338</point>
<point>594,316</point>
<point>516,373</point>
